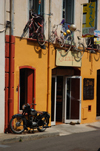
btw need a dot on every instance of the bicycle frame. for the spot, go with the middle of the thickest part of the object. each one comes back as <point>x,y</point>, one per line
<point>54,36</point>
<point>38,25</point>
<point>54,32</point>
<point>34,30</point>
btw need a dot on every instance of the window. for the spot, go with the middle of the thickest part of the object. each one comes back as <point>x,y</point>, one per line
<point>68,11</point>
<point>95,12</point>
<point>38,9</point>
<point>34,5</point>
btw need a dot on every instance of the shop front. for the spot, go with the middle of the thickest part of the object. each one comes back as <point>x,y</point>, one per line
<point>66,99</point>
<point>66,90</point>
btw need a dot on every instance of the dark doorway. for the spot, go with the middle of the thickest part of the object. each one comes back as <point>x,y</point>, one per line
<point>52,99</point>
<point>59,99</point>
<point>73,95</point>
<point>26,86</point>
<point>98,93</point>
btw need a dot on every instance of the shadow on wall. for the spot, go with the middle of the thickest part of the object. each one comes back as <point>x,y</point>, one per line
<point>38,49</point>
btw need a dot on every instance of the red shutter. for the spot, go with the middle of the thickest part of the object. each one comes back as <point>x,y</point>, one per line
<point>29,86</point>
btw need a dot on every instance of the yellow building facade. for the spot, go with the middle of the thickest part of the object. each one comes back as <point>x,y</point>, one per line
<point>59,89</point>
<point>66,87</point>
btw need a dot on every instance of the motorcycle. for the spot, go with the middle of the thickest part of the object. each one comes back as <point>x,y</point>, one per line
<point>30,118</point>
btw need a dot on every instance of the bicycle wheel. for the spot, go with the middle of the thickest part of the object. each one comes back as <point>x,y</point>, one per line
<point>76,55</point>
<point>27,26</point>
<point>97,56</point>
<point>68,43</point>
<point>97,53</point>
<point>17,125</point>
<point>52,38</point>
<point>61,42</point>
<point>41,39</point>
<point>63,53</point>
<point>81,49</point>
<point>25,29</point>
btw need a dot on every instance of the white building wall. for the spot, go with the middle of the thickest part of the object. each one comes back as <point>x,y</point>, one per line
<point>56,17</point>
<point>79,14</point>
<point>98,13</point>
<point>22,14</point>
<point>21,8</point>
<point>2,66</point>
<point>7,15</point>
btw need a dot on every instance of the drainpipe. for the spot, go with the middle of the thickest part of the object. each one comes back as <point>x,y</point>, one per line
<point>6,94</point>
<point>48,72</point>
<point>12,16</point>
<point>10,100</point>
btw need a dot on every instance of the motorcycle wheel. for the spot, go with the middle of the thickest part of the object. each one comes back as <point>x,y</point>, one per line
<point>41,128</point>
<point>17,125</point>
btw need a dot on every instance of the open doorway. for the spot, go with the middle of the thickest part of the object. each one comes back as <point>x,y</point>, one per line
<point>26,94</point>
<point>59,99</point>
<point>56,100</point>
<point>98,94</point>
<point>65,99</point>
<point>72,101</point>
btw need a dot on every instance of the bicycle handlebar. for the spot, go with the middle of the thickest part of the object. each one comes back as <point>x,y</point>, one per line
<point>78,30</point>
<point>55,25</point>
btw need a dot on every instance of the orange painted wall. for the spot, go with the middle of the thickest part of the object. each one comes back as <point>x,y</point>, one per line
<point>28,53</point>
<point>90,65</point>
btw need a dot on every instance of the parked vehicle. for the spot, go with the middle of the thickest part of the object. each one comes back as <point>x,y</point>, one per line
<point>69,42</point>
<point>30,118</point>
<point>92,45</point>
<point>35,26</point>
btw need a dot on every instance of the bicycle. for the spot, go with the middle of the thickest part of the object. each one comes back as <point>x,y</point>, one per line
<point>54,38</point>
<point>76,47</point>
<point>91,44</point>
<point>35,29</point>
<point>93,47</point>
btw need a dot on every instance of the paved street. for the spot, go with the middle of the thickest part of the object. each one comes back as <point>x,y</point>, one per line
<point>86,141</point>
<point>58,130</point>
<point>65,137</point>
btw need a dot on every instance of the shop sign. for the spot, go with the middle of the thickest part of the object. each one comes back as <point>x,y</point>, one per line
<point>88,89</point>
<point>88,20</point>
<point>97,33</point>
<point>67,59</point>
<point>87,32</point>
<point>97,40</point>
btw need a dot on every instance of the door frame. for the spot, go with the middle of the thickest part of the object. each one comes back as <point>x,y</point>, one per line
<point>54,122</point>
<point>98,73</point>
<point>34,86</point>
<point>65,105</point>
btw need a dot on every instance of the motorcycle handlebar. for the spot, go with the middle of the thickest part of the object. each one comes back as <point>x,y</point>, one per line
<point>31,104</point>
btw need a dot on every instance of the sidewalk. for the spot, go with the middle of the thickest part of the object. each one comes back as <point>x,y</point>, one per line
<point>58,130</point>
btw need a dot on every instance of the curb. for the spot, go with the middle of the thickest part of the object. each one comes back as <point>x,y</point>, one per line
<point>27,137</point>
